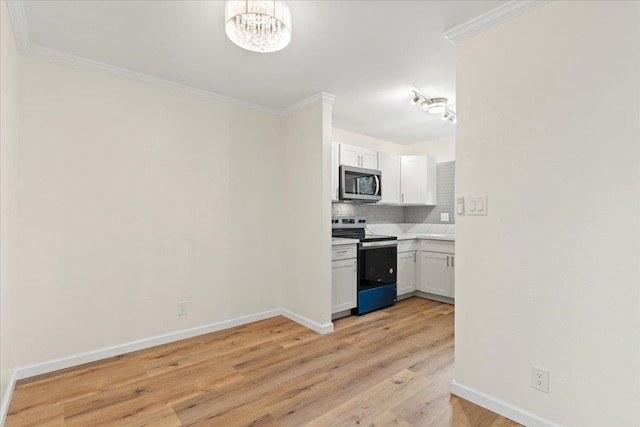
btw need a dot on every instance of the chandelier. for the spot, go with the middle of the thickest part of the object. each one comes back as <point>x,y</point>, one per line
<point>258,25</point>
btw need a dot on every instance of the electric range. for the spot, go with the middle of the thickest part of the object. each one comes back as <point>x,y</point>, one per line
<point>377,263</point>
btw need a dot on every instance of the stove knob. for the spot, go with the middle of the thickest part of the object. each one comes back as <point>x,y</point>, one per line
<point>391,271</point>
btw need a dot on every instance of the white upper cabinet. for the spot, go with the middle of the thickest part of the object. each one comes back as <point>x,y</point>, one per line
<point>359,157</point>
<point>369,159</point>
<point>334,171</point>
<point>417,180</point>
<point>389,165</point>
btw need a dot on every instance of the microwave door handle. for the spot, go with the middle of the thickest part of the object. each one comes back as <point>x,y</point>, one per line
<point>377,193</point>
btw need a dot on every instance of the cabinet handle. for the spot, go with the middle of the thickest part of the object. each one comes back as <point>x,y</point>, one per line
<point>355,266</point>
<point>452,262</point>
<point>341,252</point>
<point>414,257</point>
<point>447,261</point>
<point>402,197</point>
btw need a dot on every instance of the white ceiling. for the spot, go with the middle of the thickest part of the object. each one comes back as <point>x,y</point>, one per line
<point>369,54</point>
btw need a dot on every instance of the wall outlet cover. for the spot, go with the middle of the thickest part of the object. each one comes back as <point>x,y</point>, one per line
<point>540,379</point>
<point>182,308</point>
<point>444,216</point>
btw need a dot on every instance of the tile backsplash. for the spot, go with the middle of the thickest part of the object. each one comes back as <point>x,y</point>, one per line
<point>376,214</point>
<point>382,214</point>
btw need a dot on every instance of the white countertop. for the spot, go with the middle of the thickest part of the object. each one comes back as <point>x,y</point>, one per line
<point>401,236</point>
<point>430,236</point>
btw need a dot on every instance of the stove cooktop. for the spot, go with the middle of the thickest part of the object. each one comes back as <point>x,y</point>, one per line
<point>376,238</point>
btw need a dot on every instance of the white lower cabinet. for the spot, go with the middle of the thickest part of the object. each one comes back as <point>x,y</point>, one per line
<point>344,276</point>
<point>437,268</point>
<point>407,266</point>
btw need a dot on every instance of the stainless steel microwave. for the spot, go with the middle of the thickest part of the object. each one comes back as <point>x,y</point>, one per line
<point>358,184</point>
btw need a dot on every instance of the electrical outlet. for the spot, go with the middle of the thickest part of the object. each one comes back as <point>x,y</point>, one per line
<point>540,379</point>
<point>182,308</point>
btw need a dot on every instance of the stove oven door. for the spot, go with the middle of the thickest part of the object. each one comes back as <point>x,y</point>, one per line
<point>377,264</point>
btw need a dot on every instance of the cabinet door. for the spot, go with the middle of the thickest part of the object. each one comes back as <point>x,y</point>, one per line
<point>413,179</point>
<point>344,290</point>
<point>368,159</point>
<point>406,272</point>
<point>389,165</point>
<point>359,157</point>
<point>417,180</point>
<point>435,273</point>
<point>334,172</point>
<point>349,155</point>
<point>453,277</point>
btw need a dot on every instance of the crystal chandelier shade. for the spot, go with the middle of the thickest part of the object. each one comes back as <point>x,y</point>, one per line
<point>258,25</point>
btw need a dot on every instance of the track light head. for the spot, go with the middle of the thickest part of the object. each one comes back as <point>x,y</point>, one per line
<point>416,98</point>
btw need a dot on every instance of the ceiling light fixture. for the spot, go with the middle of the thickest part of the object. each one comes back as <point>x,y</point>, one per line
<point>258,25</point>
<point>434,106</point>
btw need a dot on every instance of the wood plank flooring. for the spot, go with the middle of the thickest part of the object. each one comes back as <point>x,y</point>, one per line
<point>392,367</point>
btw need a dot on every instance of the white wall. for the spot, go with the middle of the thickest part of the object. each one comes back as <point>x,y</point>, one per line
<point>443,149</point>
<point>351,138</point>
<point>551,277</point>
<point>132,198</point>
<point>306,214</point>
<point>8,145</point>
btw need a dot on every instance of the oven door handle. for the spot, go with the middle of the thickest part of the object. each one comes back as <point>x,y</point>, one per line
<point>378,245</point>
<point>377,192</point>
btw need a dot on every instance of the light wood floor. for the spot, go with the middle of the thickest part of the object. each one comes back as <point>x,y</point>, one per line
<point>392,367</point>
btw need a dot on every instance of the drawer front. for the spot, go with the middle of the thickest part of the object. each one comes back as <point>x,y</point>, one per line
<point>407,245</point>
<point>444,246</point>
<point>343,252</point>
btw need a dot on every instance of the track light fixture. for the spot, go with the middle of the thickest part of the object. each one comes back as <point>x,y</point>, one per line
<point>434,106</point>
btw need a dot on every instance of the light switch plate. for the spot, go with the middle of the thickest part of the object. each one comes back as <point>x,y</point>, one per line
<point>477,205</point>
<point>444,216</point>
<point>460,205</point>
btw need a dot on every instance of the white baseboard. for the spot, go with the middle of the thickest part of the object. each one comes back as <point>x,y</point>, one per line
<point>321,329</point>
<point>92,356</point>
<point>433,297</point>
<point>500,407</point>
<point>4,409</point>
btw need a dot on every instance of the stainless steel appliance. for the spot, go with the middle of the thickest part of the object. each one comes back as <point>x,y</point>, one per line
<point>358,184</point>
<point>377,263</point>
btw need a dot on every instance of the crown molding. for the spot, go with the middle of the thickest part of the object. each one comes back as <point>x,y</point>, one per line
<point>318,98</point>
<point>490,19</point>
<point>25,47</point>
<point>100,67</point>
<point>19,23</point>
